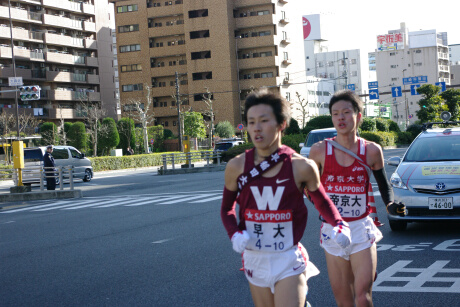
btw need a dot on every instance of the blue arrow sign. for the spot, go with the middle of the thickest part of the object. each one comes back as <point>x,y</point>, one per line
<point>351,87</point>
<point>442,85</point>
<point>413,89</point>
<point>374,94</point>
<point>396,91</point>
<point>374,84</point>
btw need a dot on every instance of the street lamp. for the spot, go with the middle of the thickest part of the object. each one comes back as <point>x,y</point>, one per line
<point>238,79</point>
<point>14,69</point>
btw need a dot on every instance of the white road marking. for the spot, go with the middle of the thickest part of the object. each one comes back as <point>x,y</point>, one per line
<point>161,241</point>
<point>188,198</point>
<point>206,199</point>
<point>127,201</point>
<point>91,205</point>
<point>418,279</point>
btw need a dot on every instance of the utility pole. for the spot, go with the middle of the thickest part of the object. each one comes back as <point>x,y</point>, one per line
<point>238,81</point>
<point>405,99</point>
<point>14,70</point>
<point>179,126</point>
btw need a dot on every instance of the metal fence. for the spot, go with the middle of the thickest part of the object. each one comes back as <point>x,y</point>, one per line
<point>38,174</point>
<point>186,158</point>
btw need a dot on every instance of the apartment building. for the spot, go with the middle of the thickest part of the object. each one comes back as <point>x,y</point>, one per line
<point>64,47</point>
<point>422,56</point>
<point>229,47</point>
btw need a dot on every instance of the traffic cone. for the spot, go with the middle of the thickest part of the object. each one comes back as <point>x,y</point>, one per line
<point>373,209</point>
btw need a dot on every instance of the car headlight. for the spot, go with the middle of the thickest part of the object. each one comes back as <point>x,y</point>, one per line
<point>396,182</point>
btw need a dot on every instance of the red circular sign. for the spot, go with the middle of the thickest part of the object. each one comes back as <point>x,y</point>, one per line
<point>240,127</point>
<point>306,27</point>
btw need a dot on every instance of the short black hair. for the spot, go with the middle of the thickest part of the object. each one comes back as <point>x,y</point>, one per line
<point>280,106</point>
<point>349,96</point>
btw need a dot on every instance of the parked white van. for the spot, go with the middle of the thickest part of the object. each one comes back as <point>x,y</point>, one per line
<point>63,156</point>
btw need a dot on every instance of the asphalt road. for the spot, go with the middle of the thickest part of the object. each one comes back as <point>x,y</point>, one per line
<point>140,239</point>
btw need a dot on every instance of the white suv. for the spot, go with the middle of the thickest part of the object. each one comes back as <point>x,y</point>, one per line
<point>315,136</point>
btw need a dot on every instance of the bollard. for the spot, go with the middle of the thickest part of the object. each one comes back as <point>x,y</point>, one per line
<point>71,177</point>
<point>218,158</point>
<point>207,159</point>
<point>173,161</point>
<point>189,159</point>
<point>42,173</point>
<point>61,181</point>
<point>164,162</point>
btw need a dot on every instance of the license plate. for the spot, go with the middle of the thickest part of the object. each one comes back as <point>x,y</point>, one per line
<point>437,203</point>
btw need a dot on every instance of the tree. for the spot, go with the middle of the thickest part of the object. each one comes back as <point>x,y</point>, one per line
<point>111,138</point>
<point>127,133</point>
<point>452,100</point>
<point>93,113</point>
<point>293,127</point>
<point>142,114</point>
<point>49,133</point>
<point>194,125</point>
<point>77,136</point>
<point>224,129</point>
<point>302,105</point>
<point>431,103</point>
<point>209,113</point>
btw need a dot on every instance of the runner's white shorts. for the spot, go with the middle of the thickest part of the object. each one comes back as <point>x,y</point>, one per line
<point>265,269</point>
<point>364,234</point>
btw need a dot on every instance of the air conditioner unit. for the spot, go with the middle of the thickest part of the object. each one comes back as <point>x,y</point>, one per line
<point>285,80</point>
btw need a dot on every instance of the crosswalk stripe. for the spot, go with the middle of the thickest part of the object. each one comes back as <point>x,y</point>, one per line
<point>186,200</point>
<point>73,204</point>
<point>35,207</point>
<point>110,201</point>
<point>206,199</point>
<point>127,201</point>
<point>155,200</point>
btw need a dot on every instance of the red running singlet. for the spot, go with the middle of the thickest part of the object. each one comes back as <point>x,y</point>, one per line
<point>347,187</point>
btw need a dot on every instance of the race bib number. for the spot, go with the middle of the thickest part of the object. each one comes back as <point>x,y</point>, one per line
<point>269,231</point>
<point>349,199</point>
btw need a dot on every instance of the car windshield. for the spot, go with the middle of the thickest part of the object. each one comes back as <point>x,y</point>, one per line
<point>319,136</point>
<point>442,148</point>
<point>223,146</point>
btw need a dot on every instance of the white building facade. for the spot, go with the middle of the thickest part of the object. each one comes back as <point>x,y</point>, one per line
<point>419,57</point>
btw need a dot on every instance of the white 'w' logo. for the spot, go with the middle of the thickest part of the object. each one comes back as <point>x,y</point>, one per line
<point>267,197</point>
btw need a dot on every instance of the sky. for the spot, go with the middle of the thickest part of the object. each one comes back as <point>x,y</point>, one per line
<point>355,24</point>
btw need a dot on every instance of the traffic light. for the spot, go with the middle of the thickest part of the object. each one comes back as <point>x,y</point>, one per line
<point>29,92</point>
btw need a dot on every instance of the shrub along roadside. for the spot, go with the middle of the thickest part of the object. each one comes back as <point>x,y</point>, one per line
<point>135,161</point>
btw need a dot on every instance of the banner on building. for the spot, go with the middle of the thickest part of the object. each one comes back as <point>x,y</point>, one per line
<point>394,41</point>
<point>311,27</point>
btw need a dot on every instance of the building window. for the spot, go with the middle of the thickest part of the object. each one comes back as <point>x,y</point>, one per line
<point>132,67</point>
<point>354,73</point>
<point>199,34</point>
<point>127,8</point>
<point>198,13</point>
<point>417,64</point>
<point>392,53</point>
<point>266,12</point>
<point>393,66</point>
<point>266,75</point>
<point>418,51</point>
<point>353,61</point>
<point>132,87</point>
<point>202,75</point>
<point>130,48</point>
<point>174,123</point>
<point>394,79</point>
<point>285,56</point>
<point>128,28</point>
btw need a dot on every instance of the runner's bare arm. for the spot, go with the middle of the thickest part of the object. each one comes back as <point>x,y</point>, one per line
<point>317,154</point>
<point>227,212</point>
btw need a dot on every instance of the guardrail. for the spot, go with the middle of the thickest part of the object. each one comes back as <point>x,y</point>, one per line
<point>186,158</point>
<point>7,174</point>
<point>39,174</point>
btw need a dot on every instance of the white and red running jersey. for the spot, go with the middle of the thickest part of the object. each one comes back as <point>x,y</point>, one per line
<point>347,187</point>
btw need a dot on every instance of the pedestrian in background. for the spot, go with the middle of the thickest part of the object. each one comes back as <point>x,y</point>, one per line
<point>267,182</point>
<point>48,161</point>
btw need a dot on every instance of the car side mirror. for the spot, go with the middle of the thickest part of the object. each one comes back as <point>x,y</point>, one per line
<point>83,155</point>
<point>394,161</point>
<point>301,145</point>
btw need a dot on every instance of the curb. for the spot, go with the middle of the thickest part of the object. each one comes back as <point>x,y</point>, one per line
<point>40,195</point>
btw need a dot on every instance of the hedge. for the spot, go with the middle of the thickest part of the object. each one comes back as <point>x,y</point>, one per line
<point>134,161</point>
<point>381,138</point>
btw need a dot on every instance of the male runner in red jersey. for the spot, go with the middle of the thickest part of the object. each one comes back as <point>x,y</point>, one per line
<point>267,182</point>
<point>346,181</point>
